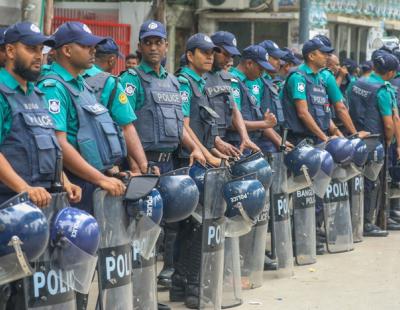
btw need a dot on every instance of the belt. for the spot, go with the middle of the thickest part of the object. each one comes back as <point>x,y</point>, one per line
<point>160,157</point>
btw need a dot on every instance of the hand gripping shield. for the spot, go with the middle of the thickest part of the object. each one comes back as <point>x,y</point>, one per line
<point>51,287</point>
<point>115,252</point>
<point>339,233</point>
<point>304,226</point>
<point>144,203</point>
<point>19,238</point>
<point>281,231</point>
<point>357,207</point>
<point>213,239</point>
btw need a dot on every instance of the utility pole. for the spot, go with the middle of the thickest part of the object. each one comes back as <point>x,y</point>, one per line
<point>48,17</point>
<point>304,26</point>
<point>159,10</point>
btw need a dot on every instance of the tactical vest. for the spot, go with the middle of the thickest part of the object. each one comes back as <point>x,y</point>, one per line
<point>203,118</point>
<point>160,120</point>
<point>363,108</point>
<point>396,85</point>
<point>31,147</point>
<point>98,82</point>
<point>318,107</point>
<point>272,101</point>
<point>250,112</point>
<point>219,91</point>
<point>100,140</point>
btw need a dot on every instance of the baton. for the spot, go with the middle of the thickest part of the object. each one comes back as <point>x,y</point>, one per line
<point>57,185</point>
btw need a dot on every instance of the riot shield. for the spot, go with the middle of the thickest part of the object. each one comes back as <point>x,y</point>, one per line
<point>281,228</point>
<point>213,239</point>
<point>339,233</point>
<point>304,226</point>
<point>344,173</point>
<point>252,250</point>
<point>50,288</point>
<point>115,253</point>
<point>232,286</point>
<point>357,207</point>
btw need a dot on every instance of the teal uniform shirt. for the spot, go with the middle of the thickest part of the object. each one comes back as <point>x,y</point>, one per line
<point>386,95</point>
<point>296,83</point>
<point>133,86</point>
<point>60,103</point>
<point>332,89</point>
<point>186,90</point>
<point>5,110</point>
<point>120,109</point>
<point>254,87</point>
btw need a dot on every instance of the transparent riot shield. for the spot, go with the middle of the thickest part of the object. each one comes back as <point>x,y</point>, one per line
<point>232,285</point>
<point>339,233</point>
<point>213,239</point>
<point>304,226</point>
<point>144,275</point>
<point>50,288</point>
<point>115,253</point>
<point>252,250</point>
<point>357,207</point>
<point>281,228</point>
<point>344,173</point>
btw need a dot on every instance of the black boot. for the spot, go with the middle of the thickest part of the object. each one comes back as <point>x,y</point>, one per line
<point>395,209</point>
<point>164,278</point>
<point>371,230</point>
<point>392,224</point>
<point>178,286</point>
<point>269,263</point>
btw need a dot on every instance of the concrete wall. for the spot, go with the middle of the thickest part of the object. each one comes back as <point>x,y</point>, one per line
<point>10,12</point>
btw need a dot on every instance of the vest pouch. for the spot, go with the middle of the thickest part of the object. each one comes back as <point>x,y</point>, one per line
<point>208,115</point>
<point>90,152</point>
<point>47,154</point>
<point>113,139</point>
<point>169,121</point>
<point>145,125</point>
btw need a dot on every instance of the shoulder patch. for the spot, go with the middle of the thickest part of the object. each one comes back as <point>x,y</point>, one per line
<point>301,87</point>
<point>183,80</point>
<point>123,99</point>
<point>54,106</point>
<point>235,92</point>
<point>130,89</point>
<point>184,96</point>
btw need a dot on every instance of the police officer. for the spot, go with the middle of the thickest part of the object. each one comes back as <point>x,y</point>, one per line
<point>307,111</point>
<point>90,141</point>
<point>26,167</point>
<point>2,50</point>
<point>219,88</point>
<point>28,145</point>
<point>140,83</point>
<point>288,63</point>
<point>110,93</point>
<point>377,97</point>
<point>252,64</point>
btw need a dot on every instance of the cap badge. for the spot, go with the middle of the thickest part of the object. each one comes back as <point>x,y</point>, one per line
<point>35,28</point>
<point>234,42</point>
<point>86,28</point>
<point>207,39</point>
<point>152,26</point>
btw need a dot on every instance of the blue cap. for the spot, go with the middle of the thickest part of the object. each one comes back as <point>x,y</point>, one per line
<point>350,64</point>
<point>227,41</point>
<point>290,57</point>
<point>366,66</point>
<point>152,28</point>
<point>75,32</point>
<point>315,44</point>
<point>26,33</point>
<point>384,61</point>
<point>2,31</point>
<point>324,39</point>
<point>273,49</point>
<point>109,47</point>
<point>259,55</point>
<point>201,41</point>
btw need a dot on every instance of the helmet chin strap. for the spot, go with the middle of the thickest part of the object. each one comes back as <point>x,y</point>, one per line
<point>16,243</point>
<point>243,213</point>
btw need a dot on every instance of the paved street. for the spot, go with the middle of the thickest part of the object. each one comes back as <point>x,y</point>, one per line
<point>367,278</point>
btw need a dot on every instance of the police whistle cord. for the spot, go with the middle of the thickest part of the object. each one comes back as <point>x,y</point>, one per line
<point>57,185</point>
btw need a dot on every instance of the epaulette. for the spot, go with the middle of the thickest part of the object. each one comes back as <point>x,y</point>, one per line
<point>183,80</point>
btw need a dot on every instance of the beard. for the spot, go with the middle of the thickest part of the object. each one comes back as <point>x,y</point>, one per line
<point>24,71</point>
